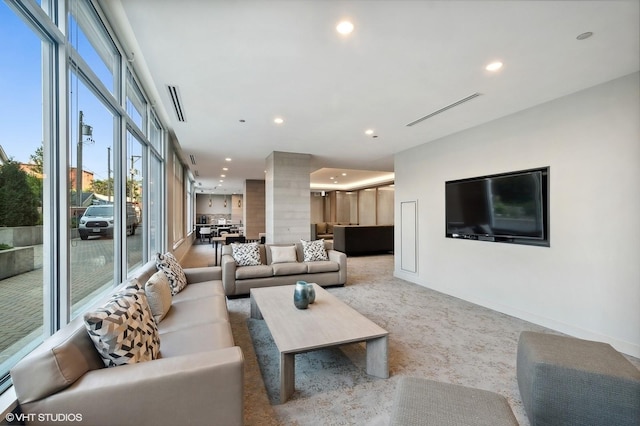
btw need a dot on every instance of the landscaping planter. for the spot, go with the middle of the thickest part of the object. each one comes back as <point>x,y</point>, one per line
<point>16,261</point>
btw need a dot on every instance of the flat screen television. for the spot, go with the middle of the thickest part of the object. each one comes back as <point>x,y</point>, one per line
<point>507,207</point>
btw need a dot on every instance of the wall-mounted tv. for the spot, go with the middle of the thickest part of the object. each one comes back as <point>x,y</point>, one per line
<point>508,207</point>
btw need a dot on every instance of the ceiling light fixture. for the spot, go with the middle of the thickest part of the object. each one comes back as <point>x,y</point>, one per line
<point>225,168</point>
<point>278,120</point>
<point>494,66</point>
<point>227,159</point>
<point>368,132</point>
<point>345,27</point>
<point>223,176</point>
<point>584,35</point>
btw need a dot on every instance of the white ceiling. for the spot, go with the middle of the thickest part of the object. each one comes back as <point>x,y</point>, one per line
<point>257,60</point>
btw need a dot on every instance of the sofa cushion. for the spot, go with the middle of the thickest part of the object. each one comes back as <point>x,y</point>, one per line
<point>314,250</point>
<point>247,254</point>
<point>291,268</point>
<point>200,290</point>
<point>168,264</point>
<point>199,338</point>
<point>322,266</point>
<point>56,364</point>
<point>158,294</point>
<point>257,271</point>
<point>321,228</point>
<point>283,254</point>
<point>189,313</point>
<point>123,329</point>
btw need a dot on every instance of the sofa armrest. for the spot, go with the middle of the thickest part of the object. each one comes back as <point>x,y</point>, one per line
<point>207,273</point>
<point>341,258</point>
<point>229,266</point>
<point>200,388</point>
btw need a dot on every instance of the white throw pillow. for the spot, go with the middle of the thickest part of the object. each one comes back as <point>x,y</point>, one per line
<point>314,251</point>
<point>158,293</point>
<point>283,254</point>
<point>123,329</point>
<point>247,254</point>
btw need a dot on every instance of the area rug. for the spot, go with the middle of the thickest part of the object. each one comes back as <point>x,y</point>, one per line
<point>431,335</point>
<point>323,370</point>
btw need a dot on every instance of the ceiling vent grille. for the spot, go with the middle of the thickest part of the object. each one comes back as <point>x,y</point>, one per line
<point>193,159</point>
<point>443,109</point>
<point>196,173</point>
<point>174,94</point>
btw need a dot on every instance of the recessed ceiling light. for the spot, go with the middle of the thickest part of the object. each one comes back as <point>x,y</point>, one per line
<point>584,35</point>
<point>225,168</point>
<point>278,120</point>
<point>221,180</point>
<point>494,66</point>
<point>345,27</point>
<point>344,174</point>
<point>223,175</point>
<point>227,159</point>
<point>368,132</point>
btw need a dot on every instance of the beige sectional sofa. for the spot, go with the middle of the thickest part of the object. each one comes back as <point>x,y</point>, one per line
<point>197,378</point>
<point>238,280</point>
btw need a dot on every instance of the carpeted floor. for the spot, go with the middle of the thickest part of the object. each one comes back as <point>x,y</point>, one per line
<point>432,335</point>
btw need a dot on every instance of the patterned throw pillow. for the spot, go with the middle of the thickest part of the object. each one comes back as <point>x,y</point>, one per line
<point>158,293</point>
<point>168,264</point>
<point>123,330</point>
<point>314,250</point>
<point>246,254</point>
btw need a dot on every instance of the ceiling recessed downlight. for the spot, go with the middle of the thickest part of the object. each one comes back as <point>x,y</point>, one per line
<point>494,66</point>
<point>368,132</point>
<point>227,159</point>
<point>345,27</point>
<point>278,120</point>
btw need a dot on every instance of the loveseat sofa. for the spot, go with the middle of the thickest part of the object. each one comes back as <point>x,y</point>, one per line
<point>276,268</point>
<point>196,379</point>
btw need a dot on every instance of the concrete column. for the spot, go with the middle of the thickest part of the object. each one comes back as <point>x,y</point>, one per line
<point>288,204</point>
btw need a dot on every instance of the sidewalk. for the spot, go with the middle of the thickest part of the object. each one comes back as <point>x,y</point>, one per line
<point>21,296</point>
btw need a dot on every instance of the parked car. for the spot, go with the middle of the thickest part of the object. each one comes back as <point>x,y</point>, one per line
<point>98,220</point>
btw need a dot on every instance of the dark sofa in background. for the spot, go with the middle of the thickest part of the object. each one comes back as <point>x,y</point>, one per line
<point>355,240</point>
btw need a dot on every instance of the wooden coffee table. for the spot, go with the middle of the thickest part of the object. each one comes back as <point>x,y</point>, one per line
<point>327,322</point>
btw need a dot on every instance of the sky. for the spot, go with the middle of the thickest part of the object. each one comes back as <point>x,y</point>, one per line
<point>21,97</point>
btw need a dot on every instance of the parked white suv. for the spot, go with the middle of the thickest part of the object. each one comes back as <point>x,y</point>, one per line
<point>98,220</point>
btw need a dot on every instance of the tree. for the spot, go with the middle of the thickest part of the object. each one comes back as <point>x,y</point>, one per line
<point>18,204</point>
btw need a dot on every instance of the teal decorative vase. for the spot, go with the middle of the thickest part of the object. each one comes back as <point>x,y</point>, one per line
<point>312,293</point>
<point>301,295</point>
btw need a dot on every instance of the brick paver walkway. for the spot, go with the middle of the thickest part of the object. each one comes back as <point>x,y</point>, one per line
<point>21,300</point>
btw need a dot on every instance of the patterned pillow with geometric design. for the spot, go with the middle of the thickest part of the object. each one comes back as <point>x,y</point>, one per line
<point>247,254</point>
<point>168,264</point>
<point>123,329</point>
<point>314,251</point>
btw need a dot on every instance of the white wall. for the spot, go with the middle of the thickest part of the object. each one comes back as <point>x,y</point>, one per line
<point>587,284</point>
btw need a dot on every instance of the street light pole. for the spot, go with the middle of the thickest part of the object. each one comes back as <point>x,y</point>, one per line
<point>79,165</point>
<point>83,130</point>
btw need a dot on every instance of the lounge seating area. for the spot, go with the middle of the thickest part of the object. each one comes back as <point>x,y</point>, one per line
<point>162,340</point>
<point>281,264</point>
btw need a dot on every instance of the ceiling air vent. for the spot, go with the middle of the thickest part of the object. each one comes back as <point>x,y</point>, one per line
<point>174,94</point>
<point>196,173</point>
<point>443,109</point>
<point>193,159</point>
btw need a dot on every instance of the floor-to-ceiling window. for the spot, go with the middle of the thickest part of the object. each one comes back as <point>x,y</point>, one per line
<point>84,155</point>
<point>22,158</point>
